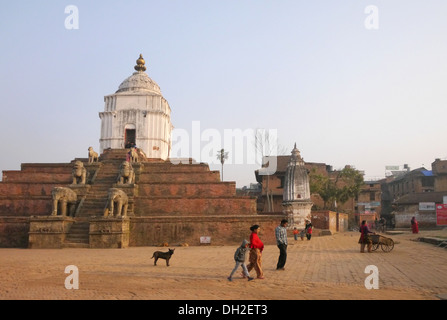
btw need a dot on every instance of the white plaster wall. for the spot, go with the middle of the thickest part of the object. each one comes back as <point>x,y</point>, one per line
<point>296,185</point>
<point>150,113</point>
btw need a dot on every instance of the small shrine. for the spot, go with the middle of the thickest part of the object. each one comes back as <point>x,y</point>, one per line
<point>297,202</point>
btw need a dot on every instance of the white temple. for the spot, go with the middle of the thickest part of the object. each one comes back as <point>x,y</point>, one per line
<point>297,202</point>
<point>137,114</point>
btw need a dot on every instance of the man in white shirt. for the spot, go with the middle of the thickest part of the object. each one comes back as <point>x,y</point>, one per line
<point>281,241</point>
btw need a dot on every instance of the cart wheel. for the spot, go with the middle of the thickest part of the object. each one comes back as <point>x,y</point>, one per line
<point>375,246</point>
<point>388,247</point>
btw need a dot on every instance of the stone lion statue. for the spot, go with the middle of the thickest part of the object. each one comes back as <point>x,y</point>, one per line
<point>116,198</point>
<point>126,174</point>
<point>65,200</point>
<point>92,155</point>
<point>79,173</point>
<point>134,154</point>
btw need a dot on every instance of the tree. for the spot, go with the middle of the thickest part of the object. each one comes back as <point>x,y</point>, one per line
<point>336,188</point>
<point>222,156</point>
<point>266,146</point>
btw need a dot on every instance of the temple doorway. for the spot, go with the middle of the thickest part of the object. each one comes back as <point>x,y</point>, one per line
<point>130,138</point>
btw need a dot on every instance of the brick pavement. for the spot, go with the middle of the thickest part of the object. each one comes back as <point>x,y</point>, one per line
<point>328,267</point>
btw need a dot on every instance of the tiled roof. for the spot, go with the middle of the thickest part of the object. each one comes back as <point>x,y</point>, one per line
<point>415,198</point>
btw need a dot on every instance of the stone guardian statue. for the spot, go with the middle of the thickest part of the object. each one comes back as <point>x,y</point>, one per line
<point>126,174</point>
<point>118,199</point>
<point>64,199</point>
<point>79,173</point>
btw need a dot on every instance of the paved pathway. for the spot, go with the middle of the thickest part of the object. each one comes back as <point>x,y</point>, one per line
<point>328,267</point>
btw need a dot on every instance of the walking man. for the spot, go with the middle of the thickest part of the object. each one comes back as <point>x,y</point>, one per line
<point>281,241</point>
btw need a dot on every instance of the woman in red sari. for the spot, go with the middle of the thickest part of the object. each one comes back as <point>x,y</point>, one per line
<point>255,257</point>
<point>365,239</point>
<point>414,225</point>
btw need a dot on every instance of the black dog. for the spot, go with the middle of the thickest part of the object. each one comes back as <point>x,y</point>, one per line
<point>163,255</point>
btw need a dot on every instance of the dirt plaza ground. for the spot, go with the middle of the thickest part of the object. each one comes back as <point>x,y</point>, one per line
<point>326,267</point>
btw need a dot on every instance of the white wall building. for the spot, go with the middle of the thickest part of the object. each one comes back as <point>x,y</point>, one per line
<point>137,113</point>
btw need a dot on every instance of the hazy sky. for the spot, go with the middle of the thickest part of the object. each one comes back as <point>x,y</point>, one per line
<point>345,93</point>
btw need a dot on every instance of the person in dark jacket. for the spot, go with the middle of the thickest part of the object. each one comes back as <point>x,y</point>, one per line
<point>239,258</point>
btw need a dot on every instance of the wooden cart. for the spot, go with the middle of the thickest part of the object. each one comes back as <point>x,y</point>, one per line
<point>387,244</point>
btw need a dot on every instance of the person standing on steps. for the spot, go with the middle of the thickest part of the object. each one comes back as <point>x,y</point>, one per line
<point>281,241</point>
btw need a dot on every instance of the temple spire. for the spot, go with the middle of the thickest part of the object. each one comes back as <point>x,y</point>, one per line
<point>140,67</point>
<point>296,156</point>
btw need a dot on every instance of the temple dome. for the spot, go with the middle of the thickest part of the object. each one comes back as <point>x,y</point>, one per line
<point>139,81</point>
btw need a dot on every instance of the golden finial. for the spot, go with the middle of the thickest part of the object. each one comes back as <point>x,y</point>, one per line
<point>140,64</point>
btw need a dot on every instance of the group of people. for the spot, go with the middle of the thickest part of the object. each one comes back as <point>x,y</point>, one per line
<point>255,246</point>
<point>365,238</point>
<point>307,231</point>
<point>130,145</point>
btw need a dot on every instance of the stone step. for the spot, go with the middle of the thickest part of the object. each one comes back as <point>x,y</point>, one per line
<point>78,233</point>
<point>77,238</point>
<point>103,183</point>
<point>98,212</point>
<point>92,212</point>
<point>108,173</point>
<point>100,189</point>
<point>99,201</point>
<point>97,195</point>
<point>80,225</point>
<point>75,245</point>
<point>105,180</point>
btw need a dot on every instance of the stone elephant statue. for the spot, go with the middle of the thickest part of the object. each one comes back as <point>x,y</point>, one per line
<point>116,198</point>
<point>65,200</point>
<point>126,174</point>
<point>79,173</point>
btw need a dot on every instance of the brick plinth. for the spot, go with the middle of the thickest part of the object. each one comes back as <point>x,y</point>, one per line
<point>223,230</point>
<point>48,232</point>
<point>167,202</point>
<point>109,233</point>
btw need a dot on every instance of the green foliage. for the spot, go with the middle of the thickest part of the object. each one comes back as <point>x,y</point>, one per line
<point>338,187</point>
<point>222,156</point>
